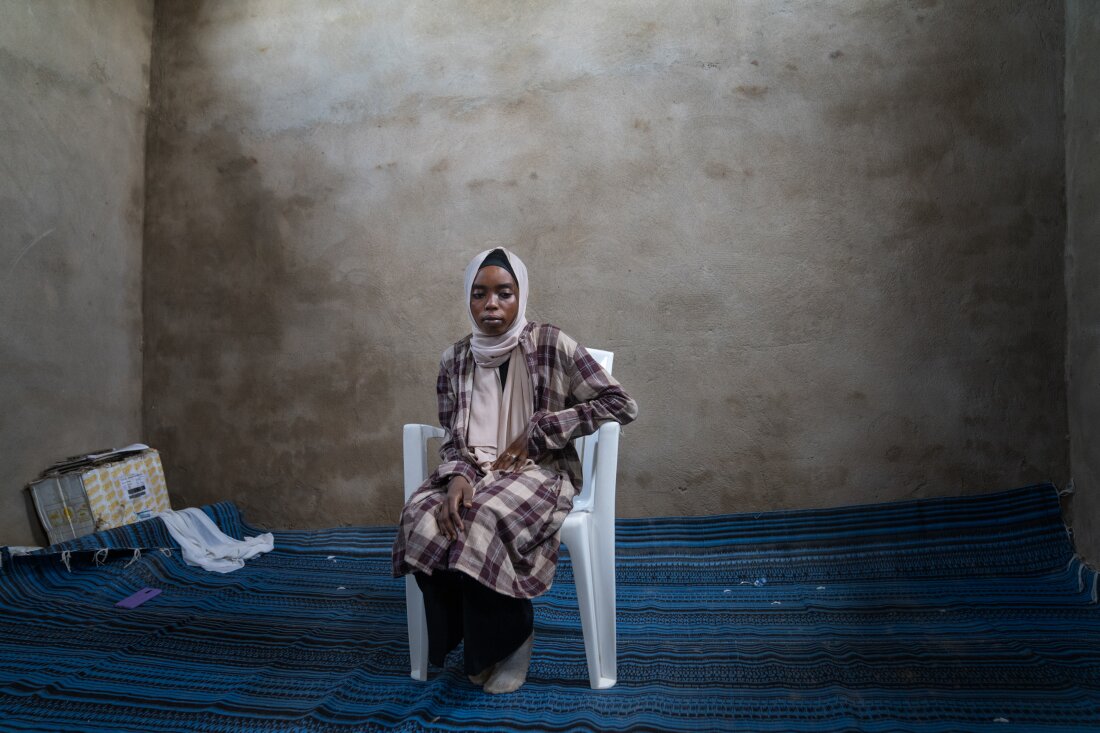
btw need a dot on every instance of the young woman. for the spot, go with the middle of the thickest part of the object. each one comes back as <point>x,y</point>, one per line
<point>482,533</point>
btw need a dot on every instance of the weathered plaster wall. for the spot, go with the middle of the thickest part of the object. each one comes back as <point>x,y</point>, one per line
<point>1083,267</point>
<point>824,239</point>
<point>74,85</point>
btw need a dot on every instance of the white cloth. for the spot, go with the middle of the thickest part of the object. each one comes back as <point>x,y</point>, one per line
<point>205,545</point>
<point>491,351</point>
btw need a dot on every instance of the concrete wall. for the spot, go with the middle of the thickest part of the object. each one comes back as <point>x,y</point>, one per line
<point>74,81</point>
<point>824,239</point>
<point>1083,267</point>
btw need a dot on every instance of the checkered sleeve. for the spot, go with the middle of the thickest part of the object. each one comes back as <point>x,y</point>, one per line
<point>452,462</point>
<point>595,397</point>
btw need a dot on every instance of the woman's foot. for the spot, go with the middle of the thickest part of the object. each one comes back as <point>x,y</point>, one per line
<point>480,677</point>
<point>511,672</point>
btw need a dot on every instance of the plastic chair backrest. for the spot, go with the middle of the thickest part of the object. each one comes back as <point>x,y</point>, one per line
<point>586,446</point>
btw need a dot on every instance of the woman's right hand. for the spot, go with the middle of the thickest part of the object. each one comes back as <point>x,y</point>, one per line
<point>447,517</point>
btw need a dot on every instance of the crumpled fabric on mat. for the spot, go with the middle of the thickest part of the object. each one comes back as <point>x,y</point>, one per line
<point>206,546</point>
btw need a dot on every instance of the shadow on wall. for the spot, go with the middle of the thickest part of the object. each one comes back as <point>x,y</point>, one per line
<point>240,399</point>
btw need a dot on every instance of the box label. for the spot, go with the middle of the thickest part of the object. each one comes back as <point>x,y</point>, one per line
<point>135,486</point>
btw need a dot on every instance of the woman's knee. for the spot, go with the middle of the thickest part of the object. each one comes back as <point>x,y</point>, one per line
<point>414,510</point>
<point>481,513</point>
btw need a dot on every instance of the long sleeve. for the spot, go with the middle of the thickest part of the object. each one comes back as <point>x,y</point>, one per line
<point>452,462</point>
<point>594,397</point>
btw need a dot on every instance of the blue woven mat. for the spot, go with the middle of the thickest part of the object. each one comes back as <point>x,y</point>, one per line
<point>950,614</point>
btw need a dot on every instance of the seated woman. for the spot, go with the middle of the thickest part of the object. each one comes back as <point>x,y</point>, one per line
<point>482,533</point>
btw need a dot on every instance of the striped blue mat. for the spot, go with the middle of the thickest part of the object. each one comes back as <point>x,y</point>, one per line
<point>948,614</point>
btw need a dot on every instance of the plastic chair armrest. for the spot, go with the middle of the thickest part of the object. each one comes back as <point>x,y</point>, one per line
<point>415,449</point>
<point>607,461</point>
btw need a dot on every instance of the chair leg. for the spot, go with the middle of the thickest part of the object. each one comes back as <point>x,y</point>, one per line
<point>418,629</point>
<point>581,555</point>
<point>603,584</point>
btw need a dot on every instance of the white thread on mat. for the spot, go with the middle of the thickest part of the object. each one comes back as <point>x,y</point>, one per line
<point>135,558</point>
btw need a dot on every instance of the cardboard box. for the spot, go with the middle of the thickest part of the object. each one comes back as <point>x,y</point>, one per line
<point>114,490</point>
<point>62,507</point>
<point>126,491</point>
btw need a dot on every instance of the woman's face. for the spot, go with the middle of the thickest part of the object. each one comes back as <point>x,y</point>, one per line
<point>494,300</point>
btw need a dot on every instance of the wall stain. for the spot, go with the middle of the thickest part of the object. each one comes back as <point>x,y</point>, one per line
<point>237,165</point>
<point>933,452</point>
<point>959,96</point>
<point>645,32</point>
<point>98,72</point>
<point>921,214</point>
<point>913,158</point>
<point>717,171</point>
<point>479,183</point>
<point>752,91</point>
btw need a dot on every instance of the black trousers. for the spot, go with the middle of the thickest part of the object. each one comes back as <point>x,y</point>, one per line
<point>458,608</point>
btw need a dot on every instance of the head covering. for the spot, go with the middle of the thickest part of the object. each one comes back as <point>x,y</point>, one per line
<point>497,258</point>
<point>492,351</point>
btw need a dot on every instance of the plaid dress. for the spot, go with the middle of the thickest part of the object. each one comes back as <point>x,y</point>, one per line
<point>512,529</point>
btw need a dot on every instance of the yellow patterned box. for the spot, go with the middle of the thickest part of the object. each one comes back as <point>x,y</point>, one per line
<point>126,491</point>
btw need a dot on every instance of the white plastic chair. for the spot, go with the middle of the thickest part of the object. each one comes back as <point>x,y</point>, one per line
<point>589,532</point>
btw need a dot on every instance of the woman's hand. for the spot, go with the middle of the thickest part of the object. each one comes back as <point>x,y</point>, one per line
<point>514,456</point>
<point>447,517</point>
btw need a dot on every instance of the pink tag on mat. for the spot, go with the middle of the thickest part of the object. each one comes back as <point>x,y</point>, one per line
<point>138,598</point>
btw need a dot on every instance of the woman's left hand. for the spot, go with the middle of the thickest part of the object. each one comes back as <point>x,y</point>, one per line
<point>514,456</point>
